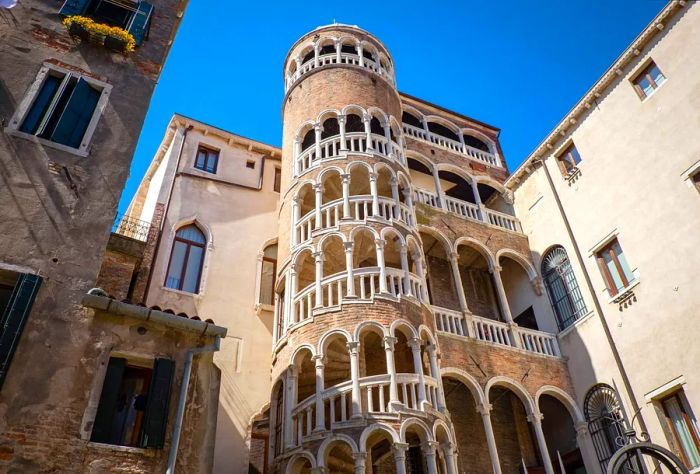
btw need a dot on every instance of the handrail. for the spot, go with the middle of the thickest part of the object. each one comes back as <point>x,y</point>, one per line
<point>130,227</point>
<point>332,58</point>
<point>451,144</point>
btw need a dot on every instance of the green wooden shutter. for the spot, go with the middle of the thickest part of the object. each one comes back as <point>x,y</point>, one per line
<point>76,116</point>
<point>15,317</point>
<point>73,7</point>
<point>139,22</point>
<point>102,427</point>
<point>156,417</point>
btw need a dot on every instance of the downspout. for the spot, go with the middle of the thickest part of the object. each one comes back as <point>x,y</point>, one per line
<point>186,371</point>
<point>165,213</point>
<point>596,301</point>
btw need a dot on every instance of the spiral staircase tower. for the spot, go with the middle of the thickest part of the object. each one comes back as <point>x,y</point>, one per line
<point>355,367</point>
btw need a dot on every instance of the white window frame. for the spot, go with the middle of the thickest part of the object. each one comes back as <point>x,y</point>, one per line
<point>26,103</point>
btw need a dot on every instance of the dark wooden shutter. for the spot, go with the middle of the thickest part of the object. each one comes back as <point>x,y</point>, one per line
<point>102,428</point>
<point>76,116</point>
<point>73,7</point>
<point>156,417</point>
<point>15,317</point>
<point>139,22</point>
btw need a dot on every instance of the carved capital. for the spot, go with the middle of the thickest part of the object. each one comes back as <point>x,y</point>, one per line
<point>389,342</point>
<point>353,347</point>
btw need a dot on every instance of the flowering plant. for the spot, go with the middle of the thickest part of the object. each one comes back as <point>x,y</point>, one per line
<point>100,29</point>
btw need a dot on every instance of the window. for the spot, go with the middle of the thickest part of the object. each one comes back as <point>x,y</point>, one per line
<point>133,16</point>
<point>17,293</point>
<point>277,186</point>
<point>696,180</point>
<point>683,427</point>
<point>62,108</point>
<point>186,259</point>
<point>250,164</point>
<point>133,408</point>
<point>206,159</point>
<point>614,267</point>
<point>568,160</point>
<point>562,287</point>
<point>268,274</point>
<point>606,421</point>
<point>647,81</point>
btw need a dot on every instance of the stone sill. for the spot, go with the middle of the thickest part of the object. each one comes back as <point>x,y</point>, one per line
<point>124,449</point>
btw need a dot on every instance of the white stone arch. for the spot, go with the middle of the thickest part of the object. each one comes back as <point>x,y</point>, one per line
<point>412,421</point>
<point>326,40</point>
<point>359,228</point>
<point>481,136</point>
<point>379,114</point>
<point>423,329</point>
<point>371,48</point>
<point>326,237</point>
<point>395,125</point>
<point>296,457</point>
<point>444,122</point>
<point>441,423</point>
<point>300,185</point>
<point>438,235</point>
<point>377,427</point>
<point>468,380</point>
<point>330,334</point>
<point>514,386</point>
<point>326,114</point>
<point>303,128</point>
<point>485,179</point>
<point>404,180</point>
<point>354,164</point>
<point>369,326</point>
<point>421,158</point>
<point>414,111</point>
<point>381,165</point>
<point>299,350</point>
<point>356,109</point>
<point>301,250</point>
<point>564,398</point>
<point>328,170</point>
<point>391,230</point>
<point>305,49</point>
<point>520,259</point>
<point>461,172</point>
<point>397,324</point>
<point>479,247</point>
<point>335,438</point>
<point>351,40</point>
<point>412,241</point>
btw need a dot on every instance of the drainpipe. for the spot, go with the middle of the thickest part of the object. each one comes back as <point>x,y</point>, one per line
<point>186,371</point>
<point>596,302</point>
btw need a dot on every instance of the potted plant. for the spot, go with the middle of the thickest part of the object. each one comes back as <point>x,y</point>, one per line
<point>112,37</point>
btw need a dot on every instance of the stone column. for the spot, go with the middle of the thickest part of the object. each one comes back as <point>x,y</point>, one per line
<point>395,196</point>
<point>536,420</point>
<point>391,370</point>
<point>316,51</point>
<point>359,53</point>
<point>320,406</point>
<point>350,281</point>
<point>477,199</point>
<point>400,457</point>
<point>457,277</point>
<point>338,47</point>
<point>503,300</point>
<point>418,260</point>
<point>485,411</point>
<point>408,197</point>
<point>585,444</point>
<point>414,344</point>
<point>318,194</point>
<point>287,302</point>
<point>293,293</point>
<point>387,137</point>
<point>367,118</point>
<point>355,377</point>
<point>297,153</point>
<point>296,215</point>
<point>341,125</point>
<point>379,244</point>
<point>360,459</point>
<point>318,128</point>
<point>345,178</point>
<point>438,189</point>
<point>448,454</point>
<point>406,273</point>
<point>318,259</point>
<point>435,372</point>
<point>375,194</point>
<point>429,450</point>
<point>463,148</point>
<point>289,402</point>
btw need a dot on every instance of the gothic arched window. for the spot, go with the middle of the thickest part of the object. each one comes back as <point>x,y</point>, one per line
<point>562,287</point>
<point>606,421</point>
<point>186,259</point>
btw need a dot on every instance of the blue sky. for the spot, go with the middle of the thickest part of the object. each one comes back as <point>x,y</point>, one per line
<point>518,65</point>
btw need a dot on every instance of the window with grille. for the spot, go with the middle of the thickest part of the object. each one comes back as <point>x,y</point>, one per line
<point>562,287</point>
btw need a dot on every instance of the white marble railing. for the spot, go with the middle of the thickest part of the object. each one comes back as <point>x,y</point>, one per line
<point>468,210</point>
<point>303,419</point>
<point>450,144</point>
<point>333,58</point>
<point>355,142</point>
<point>495,332</point>
<point>396,284</point>
<point>360,210</point>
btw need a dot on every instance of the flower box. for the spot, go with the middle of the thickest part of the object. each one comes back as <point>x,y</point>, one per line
<point>111,37</point>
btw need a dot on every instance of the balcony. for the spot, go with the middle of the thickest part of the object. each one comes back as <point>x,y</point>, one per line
<point>468,210</point>
<point>495,332</point>
<point>454,146</point>
<point>132,228</point>
<point>336,58</point>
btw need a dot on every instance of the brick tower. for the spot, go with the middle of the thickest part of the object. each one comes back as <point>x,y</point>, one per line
<point>354,340</point>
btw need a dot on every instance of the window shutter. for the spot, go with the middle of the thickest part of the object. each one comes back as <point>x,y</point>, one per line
<point>15,317</point>
<point>156,417</point>
<point>139,22</point>
<point>76,116</point>
<point>73,7</point>
<point>102,427</point>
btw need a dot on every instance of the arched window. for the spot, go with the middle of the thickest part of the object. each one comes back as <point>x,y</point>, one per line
<point>268,272</point>
<point>186,259</point>
<point>562,287</point>
<point>606,422</point>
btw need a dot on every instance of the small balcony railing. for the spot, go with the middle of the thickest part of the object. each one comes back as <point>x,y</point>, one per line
<point>495,332</point>
<point>335,58</point>
<point>468,210</point>
<point>355,142</point>
<point>133,228</point>
<point>450,144</point>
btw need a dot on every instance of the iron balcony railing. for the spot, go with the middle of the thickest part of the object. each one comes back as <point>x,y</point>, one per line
<point>129,227</point>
